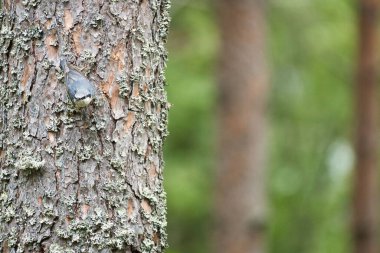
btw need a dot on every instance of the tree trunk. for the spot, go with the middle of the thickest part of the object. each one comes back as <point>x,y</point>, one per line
<point>243,79</point>
<point>365,229</point>
<point>87,181</point>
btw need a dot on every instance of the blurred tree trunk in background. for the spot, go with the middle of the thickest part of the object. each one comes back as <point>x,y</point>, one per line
<point>366,197</point>
<point>243,83</point>
<point>71,182</point>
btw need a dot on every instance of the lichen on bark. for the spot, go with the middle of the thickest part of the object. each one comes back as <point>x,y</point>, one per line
<point>87,181</point>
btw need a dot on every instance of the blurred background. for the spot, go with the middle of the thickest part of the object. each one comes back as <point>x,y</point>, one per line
<point>311,51</point>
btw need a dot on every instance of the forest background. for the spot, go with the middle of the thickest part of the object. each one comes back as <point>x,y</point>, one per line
<point>312,56</point>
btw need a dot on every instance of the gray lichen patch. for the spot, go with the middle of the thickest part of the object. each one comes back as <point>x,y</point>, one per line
<point>100,231</point>
<point>56,248</point>
<point>29,164</point>
<point>124,85</point>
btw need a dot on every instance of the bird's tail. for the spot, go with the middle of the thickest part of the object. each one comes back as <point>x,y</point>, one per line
<point>63,65</point>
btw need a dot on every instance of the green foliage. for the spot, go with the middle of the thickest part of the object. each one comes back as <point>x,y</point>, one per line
<point>312,53</point>
<point>311,48</point>
<point>189,151</point>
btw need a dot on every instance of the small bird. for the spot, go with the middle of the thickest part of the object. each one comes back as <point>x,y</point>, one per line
<point>81,91</point>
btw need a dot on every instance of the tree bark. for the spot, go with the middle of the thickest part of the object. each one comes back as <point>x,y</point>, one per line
<point>365,227</point>
<point>243,83</point>
<point>90,180</point>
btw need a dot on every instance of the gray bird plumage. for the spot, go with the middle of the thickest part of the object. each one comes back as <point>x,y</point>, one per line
<point>81,91</point>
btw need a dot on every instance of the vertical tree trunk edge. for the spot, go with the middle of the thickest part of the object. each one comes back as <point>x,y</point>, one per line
<point>90,180</point>
<point>365,200</point>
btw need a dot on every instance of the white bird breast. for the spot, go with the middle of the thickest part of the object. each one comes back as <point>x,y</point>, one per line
<point>83,102</point>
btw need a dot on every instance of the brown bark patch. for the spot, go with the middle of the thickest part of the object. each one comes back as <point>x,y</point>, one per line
<point>7,4</point>
<point>67,220</point>
<point>156,238</point>
<point>145,87</point>
<point>57,175</point>
<point>105,86</point>
<point>108,87</point>
<point>111,89</point>
<point>146,206</point>
<point>148,150</point>
<point>118,56</point>
<point>152,172</point>
<point>51,49</point>
<point>136,91</point>
<point>130,208</point>
<point>51,137</point>
<point>5,246</point>
<point>77,38</point>
<point>39,200</point>
<point>48,23</point>
<point>68,18</point>
<point>85,209</point>
<point>25,77</point>
<point>114,91</point>
<point>148,106</point>
<point>129,121</point>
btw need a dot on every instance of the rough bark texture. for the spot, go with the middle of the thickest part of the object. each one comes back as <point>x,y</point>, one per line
<point>243,78</point>
<point>87,181</point>
<point>365,227</point>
